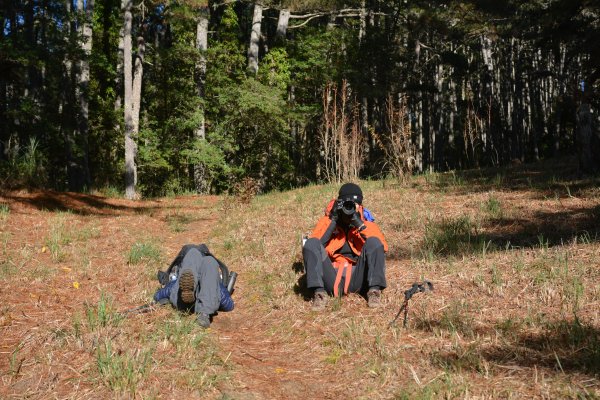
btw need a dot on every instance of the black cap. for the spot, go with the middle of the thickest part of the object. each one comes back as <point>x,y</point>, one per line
<point>351,191</point>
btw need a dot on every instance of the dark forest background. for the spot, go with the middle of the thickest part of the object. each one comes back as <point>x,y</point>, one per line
<point>152,98</point>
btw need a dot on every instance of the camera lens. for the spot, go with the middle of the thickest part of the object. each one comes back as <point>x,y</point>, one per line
<point>349,207</point>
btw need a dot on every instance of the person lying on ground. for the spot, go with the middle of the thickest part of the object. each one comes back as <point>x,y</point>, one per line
<point>197,284</point>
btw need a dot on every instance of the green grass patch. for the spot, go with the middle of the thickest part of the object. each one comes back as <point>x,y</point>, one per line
<point>59,235</point>
<point>111,192</point>
<point>442,387</point>
<point>204,365</point>
<point>7,265</point>
<point>122,371</point>
<point>86,233</point>
<point>102,314</point>
<point>4,211</point>
<point>143,252</point>
<point>456,318</point>
<point>510,328</point>
<point>461,359</point>
<point>493,207</point>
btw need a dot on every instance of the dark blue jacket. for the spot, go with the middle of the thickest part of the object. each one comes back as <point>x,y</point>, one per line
<point>226,300</point>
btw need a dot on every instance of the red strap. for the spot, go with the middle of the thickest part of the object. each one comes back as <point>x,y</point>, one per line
<point>341,266</point>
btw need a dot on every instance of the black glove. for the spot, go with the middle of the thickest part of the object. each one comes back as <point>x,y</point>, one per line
<point>335,211</point>
<point>356,222</point>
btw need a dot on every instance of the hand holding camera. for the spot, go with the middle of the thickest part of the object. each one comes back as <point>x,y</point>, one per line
<point>357,222</point>
<point>334,214</point>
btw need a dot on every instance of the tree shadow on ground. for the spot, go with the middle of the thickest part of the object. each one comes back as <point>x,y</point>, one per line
<point>542,229</point>
<point>397,251</point>
<point>79,203</point>
<point>557,177</point>
<point>565,346</point>
<point>547,229</point>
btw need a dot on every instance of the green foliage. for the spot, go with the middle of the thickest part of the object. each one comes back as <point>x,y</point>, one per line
<point>274,69</point>
<point>8,267</point>
<point>442,387</point>
<point>456,318</point>
<point>268,127</point>
<point>461,359</point>
<point>26,167</point>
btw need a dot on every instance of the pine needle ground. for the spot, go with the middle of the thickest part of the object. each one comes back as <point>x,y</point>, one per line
<point>514,256</point>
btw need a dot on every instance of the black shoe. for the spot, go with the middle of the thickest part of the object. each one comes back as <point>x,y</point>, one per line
<point>186,285</point>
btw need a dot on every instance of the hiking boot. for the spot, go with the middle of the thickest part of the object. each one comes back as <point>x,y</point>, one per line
<point>203,320</point>
<point>374,298</point>
<point>186,285</point>
<point>319,301</point>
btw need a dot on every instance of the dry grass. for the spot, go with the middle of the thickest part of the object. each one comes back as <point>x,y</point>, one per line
<point>514,256</point>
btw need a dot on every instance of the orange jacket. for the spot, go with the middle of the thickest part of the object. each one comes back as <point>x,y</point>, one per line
<point>356,239</point>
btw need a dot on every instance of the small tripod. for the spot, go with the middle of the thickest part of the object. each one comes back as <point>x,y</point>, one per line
<point>425,286</point>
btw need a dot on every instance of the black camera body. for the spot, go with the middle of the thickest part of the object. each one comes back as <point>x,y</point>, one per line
<point>346,206</point>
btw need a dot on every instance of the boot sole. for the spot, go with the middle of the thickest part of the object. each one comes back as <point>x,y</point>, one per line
<point>186,284</point>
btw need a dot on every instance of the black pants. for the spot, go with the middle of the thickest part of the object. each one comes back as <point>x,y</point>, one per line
<point>369,270</point>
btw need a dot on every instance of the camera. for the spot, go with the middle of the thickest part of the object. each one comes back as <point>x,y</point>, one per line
<point>347,207</point>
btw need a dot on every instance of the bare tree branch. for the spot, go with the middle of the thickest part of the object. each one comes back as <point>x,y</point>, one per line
<point>306,22</point>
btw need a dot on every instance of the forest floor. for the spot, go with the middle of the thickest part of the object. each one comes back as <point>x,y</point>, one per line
<point>514,255</point>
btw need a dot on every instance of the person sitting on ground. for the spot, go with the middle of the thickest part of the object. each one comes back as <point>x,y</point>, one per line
<point>197,283</point>
<point>346,251</point>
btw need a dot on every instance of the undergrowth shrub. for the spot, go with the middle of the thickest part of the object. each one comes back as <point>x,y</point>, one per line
<point>493,207</point>
<point>400,152</point>
<point>26,167</point>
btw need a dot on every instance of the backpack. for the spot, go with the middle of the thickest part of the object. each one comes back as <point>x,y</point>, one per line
<point>163,276</point>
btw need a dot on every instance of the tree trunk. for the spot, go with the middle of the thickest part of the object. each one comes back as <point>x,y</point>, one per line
<point>120,73</point>
<point>130,145</point>
<point>254,40</point>
<point>83,84</point>
<point>138,72</point>
<point>363,22</point>
<point>584,138</point>
<point>282,25</point>
<point>200,174</point>
<point>67,109</point>
<point>438,122</point>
